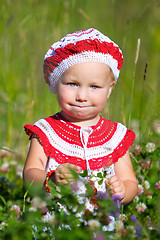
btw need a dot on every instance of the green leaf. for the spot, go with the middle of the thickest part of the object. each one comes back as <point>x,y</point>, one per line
<point>100,182</point>
<point>53,189</point>
<point>104,174</point>
<point>99,175</point>
<point>3,200</point>
<point>84,174</point>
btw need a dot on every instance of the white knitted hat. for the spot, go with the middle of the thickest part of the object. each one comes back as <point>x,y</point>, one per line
<point>83,46</point>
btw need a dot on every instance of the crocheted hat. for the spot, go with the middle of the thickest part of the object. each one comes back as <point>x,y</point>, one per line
<point>83,46</point>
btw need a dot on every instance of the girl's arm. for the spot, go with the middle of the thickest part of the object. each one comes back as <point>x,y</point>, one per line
<point>34,169</point>
<point>124,183</point>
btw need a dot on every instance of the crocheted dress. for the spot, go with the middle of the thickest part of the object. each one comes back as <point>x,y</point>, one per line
<point>95,148</point>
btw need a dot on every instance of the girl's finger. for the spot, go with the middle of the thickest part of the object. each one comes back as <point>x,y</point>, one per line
<point>113,179</point>
<point>107,182</point>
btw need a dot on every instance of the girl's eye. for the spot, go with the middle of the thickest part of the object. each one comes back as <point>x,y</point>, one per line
<point>72,84</point>
<point>94,87</point>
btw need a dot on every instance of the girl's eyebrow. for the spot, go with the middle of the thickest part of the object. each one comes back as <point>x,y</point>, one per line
<point>97,82</point>
<point>70,77</point>
<point>68,80</point>
<point>71,80</point>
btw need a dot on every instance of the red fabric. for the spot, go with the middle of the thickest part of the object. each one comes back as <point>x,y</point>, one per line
<point>81,46</point>
<point>98,138</point>
<point>76,34</point>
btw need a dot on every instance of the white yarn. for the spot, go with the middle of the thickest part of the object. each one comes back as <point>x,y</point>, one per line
<point>88,56</point>
<point>81,58</point>
<point>78,151</point>
<point>79,36</point>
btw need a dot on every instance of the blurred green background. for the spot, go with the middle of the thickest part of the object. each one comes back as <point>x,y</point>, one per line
<point>27,30</point>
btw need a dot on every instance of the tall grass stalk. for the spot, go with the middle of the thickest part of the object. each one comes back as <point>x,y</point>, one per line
<point>25,196</point>
<point>85,16</point>
<point>133,80</point>
<point>141,103</point>
<point>9,124</point>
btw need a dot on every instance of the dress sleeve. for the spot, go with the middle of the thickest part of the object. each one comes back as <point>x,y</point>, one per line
<point>124,145</point>
<point>33,130</point>
<point>43,137</point>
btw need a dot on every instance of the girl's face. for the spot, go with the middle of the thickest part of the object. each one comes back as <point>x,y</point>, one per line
<point>82,92</point>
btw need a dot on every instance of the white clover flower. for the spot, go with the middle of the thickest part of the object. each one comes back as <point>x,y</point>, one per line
<point>150,147</point>
<point>123,217</point>
<point>51,219</point>
<point>19,171</point>
<point>3,225</point>
<point>93,224</point>
<point>118,225</point>
<point>32,209</point>
<point>140,189</point>
<point>141,207</point>
<point>131,228</point>
<point>38,203</point>
<point>13,163</point>
<point>146,185</point>
<point>149,197</point>
<point>141,177</point>
<point>16,209</point>
<point>138,170</point>
<point>5,167</point>
<point>136,199</point>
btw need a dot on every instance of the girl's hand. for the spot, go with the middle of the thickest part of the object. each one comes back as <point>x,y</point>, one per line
<point>63,174</point>
<point>116,186</point>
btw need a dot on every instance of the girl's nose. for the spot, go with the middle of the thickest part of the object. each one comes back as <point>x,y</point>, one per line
<point>82,95</point>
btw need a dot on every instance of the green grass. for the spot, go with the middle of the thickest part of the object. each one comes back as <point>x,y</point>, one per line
<point>28,28</point>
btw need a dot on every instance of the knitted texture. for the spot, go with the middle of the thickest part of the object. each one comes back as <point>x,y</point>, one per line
<point>83,46</point>
<point>61,140</point>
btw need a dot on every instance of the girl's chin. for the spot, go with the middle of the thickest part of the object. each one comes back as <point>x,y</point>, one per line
<point>80,117</point>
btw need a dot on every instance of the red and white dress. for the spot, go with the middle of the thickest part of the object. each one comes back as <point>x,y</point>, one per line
<point>95,148</point>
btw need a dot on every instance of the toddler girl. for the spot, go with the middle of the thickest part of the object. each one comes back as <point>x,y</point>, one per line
<point>82,69</point>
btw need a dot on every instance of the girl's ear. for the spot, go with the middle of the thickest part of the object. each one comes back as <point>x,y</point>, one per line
<point>110,90</point>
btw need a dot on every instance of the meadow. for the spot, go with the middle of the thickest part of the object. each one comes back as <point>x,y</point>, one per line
<point>27,30</point>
